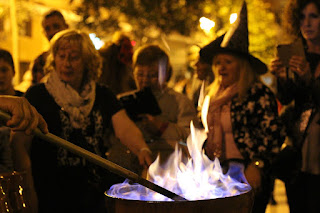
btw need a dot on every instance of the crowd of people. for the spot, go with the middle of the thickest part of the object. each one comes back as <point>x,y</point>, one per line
<point>77,94</point>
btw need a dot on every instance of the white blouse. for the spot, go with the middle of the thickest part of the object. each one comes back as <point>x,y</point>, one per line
<point>230,146</point>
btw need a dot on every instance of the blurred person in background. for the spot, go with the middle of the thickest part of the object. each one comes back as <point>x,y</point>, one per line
<point>152,69</point>
<point>204,68</point>
<point>116,64</point>
<point>7,72</point>
<point>298,88</point>
<point>53,22</point>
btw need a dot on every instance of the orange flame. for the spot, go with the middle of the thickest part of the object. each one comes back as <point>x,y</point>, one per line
<point>201,95</point>
<point>204,112</point>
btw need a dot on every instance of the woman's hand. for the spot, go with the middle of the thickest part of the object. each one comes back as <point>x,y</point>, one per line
<point>277,68</point>
<point>298,65</point>
<point>144,156</point>
<point>131,136</point>
<point>24,116</point>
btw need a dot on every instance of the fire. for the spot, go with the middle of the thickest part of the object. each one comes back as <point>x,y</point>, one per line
<point>194,178</point>
<point>204,112</point>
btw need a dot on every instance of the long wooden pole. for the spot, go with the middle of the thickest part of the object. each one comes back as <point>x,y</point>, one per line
<point>112,167</point>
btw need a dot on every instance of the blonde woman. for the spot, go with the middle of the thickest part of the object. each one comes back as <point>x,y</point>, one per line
<point>243,124</point>
<point>83,112</point>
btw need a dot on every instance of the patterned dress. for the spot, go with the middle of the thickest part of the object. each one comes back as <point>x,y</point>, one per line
<point>65,182</point>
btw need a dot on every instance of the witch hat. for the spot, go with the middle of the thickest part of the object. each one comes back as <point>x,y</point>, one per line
<point>236,42</point>
<point>206,53</point>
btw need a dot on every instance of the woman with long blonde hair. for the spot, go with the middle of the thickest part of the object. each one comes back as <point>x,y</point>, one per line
<point>242,120</point>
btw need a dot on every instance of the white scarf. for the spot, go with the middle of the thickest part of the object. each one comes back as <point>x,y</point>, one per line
<point>78,106</point>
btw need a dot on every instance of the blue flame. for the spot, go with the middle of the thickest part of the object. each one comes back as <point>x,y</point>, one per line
<point>198,178</point>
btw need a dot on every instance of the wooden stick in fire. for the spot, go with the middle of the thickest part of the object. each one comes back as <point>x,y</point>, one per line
<point>112,167</point>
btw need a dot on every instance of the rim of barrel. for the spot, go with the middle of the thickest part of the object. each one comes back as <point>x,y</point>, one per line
<point>248,193</point>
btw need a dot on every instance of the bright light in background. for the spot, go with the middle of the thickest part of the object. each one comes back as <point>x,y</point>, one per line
<point>233,18</point>
<point>206,24</point>
<point>96,41</point>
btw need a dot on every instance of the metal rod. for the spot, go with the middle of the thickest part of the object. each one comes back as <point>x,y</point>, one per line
<point>112,167</point>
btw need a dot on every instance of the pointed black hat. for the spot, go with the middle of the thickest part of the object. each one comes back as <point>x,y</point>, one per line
<point>236,41</point>
<point>207,52</point>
